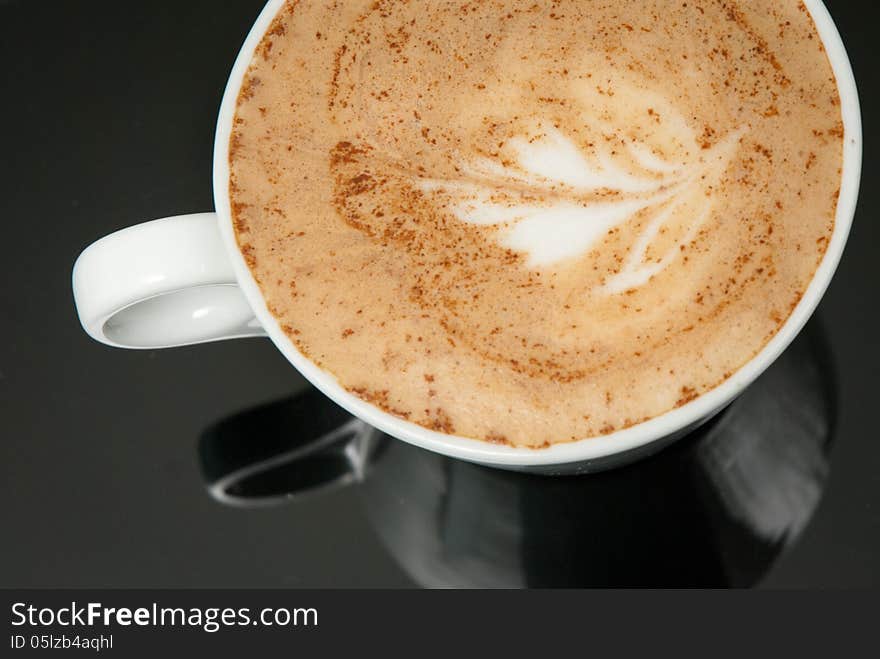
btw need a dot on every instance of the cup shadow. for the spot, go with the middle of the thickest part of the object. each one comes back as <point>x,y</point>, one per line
<point>716,508</point>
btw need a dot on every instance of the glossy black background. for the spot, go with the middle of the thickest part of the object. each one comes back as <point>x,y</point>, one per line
<point>107,114</point>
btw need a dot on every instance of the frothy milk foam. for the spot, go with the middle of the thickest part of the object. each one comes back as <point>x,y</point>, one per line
<point>532,223</point>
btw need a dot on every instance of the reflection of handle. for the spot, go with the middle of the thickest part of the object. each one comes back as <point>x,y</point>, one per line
<point>285,450</point>
<point>161,284</point>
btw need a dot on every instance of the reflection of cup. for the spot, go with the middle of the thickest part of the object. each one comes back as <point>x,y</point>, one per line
<point>184,280</point>
<point>715,509</point>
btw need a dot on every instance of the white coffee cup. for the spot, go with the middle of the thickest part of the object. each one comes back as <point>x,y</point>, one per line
<point>182,280</point>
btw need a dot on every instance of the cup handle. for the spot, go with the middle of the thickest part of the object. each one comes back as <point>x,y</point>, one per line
<point>161,284</point>
<point>285,451</point>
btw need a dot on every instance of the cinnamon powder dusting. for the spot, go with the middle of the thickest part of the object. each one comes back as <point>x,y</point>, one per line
<point>531,223</point>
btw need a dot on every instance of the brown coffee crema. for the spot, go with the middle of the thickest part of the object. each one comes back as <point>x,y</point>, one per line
<point>532,223</point>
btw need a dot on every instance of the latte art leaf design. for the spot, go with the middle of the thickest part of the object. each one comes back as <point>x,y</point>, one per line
<point>557,202</point>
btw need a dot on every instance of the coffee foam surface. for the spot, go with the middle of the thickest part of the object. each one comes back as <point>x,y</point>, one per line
<point>528,223</point>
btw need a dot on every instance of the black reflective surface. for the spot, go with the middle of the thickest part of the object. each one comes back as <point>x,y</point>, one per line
<point>716,509</point>
<point>139,468</point>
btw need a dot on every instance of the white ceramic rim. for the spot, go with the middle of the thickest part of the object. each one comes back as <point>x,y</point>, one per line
<point>589,448</point>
